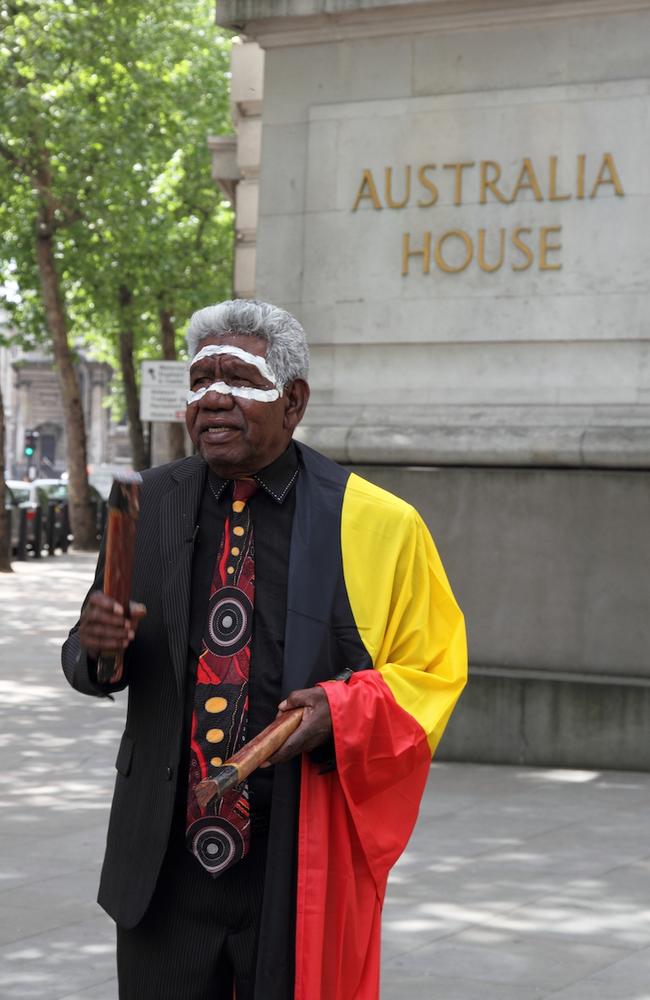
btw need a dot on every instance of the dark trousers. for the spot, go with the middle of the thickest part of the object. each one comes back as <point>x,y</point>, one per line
<point>199,935</point>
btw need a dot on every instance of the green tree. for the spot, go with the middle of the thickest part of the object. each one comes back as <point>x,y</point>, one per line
<point>107,105</point>
<point>169,256</point>
<point>164,246</point>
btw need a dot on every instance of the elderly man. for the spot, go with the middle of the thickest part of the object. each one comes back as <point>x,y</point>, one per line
<point>272,578</point>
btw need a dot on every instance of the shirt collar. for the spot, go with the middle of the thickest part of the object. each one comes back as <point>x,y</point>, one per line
<point>276,479</point>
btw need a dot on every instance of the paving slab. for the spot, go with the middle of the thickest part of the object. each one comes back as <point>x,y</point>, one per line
<point>518,883</point>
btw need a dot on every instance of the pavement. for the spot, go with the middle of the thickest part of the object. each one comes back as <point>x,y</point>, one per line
<point>518,883</point>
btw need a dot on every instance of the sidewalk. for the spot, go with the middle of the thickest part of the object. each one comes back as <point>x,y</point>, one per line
<point>519,883</point>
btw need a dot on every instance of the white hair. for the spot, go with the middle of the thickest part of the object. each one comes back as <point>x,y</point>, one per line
<point>287,352</point>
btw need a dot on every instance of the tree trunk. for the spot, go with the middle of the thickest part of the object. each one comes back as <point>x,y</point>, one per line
<point>136,435</point>
<point>82,515</point>
<point>168,340</point>
<point>5,522</point>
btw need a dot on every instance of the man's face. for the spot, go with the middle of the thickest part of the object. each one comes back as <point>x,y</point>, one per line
<point>238,436</point>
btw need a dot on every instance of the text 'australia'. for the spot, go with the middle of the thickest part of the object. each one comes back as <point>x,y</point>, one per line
<point>484,182</point>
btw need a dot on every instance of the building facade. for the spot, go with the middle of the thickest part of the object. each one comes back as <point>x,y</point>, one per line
<point>454,199</point>
<point>32,401</point>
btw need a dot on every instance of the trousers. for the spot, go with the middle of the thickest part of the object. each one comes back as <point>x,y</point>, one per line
<point>198,938</point>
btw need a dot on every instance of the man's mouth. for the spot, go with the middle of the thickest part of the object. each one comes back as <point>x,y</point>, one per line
<point>216,431</point>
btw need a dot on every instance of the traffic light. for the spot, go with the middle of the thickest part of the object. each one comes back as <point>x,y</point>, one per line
<point>31,438</point>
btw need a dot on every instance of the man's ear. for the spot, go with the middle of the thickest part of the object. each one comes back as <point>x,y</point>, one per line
<point>297,396</point>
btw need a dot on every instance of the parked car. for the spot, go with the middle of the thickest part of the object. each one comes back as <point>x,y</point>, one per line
<point>24,497</point>
<point>46,493</point>
<point>54,492</point>
<point>11,508</point>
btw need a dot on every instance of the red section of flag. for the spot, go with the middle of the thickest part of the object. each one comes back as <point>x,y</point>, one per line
<point>354,824</point>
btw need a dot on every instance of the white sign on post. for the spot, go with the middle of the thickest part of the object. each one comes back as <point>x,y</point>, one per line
<point>163,390</point>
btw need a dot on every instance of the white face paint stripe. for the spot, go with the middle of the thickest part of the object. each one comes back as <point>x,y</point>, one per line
<point>241,391</point>
<point>251,359</point>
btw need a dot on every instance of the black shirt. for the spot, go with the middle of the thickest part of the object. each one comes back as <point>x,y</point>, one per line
<point>272,508</point>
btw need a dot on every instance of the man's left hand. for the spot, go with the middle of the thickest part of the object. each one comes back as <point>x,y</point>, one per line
<point>315,728</point>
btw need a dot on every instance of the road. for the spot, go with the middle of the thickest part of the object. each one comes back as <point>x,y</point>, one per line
<point>518,884</point>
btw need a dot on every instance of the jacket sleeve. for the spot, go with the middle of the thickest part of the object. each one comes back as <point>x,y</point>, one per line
<point>402,604</point>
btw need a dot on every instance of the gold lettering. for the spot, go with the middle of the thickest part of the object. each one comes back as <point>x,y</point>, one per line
<point>469,251</point>
<point>367,189</point>
<point>458,179</point>
<point>490,183</point>
<point>427,183</point>
<point>609,166</point>
<point>520,245</point>
<point>545,247</point>
<point>390,202</point>
<point>580,179</point>
<point>480,253</point>
<point>552,182</point>
<point>407,253</point>
<point>527,179</point>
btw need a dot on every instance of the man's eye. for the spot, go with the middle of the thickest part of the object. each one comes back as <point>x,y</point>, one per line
<point>198,381</point>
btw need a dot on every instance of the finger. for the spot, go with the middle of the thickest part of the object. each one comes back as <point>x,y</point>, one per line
<point>105,636</point>
<point>105,640</point>
<point>136,613</point>
<point>100,600</point>
<point>292,748</point>
<point>288,749</point>
<point>298,699</point>
<point>105,624</point>
<point>306,737</point>
<point>102,629</point>
<point>109,629</point>
<point>102,617</point>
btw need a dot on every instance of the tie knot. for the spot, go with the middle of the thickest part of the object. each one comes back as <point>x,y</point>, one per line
<point>243,489</point>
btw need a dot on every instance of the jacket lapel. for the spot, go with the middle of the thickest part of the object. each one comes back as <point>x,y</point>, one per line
<point>178,517</point>
<point>315,571</point>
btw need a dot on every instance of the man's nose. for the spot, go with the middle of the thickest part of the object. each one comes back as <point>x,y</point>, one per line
<point>215,400</point>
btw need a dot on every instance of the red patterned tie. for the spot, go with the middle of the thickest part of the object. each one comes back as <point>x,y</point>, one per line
<point>219,835</point>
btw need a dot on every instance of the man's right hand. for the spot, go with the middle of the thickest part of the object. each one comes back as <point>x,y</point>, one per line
<point>103,628</point>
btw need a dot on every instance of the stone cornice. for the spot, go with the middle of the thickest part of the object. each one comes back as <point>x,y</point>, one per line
<point>433,16</point>
<point>562,437</point>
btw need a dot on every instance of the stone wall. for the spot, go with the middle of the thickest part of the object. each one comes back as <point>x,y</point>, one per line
<point>550,567</point>
<point>551,570</point>
<point>454,199</point>
<point>547,364</point>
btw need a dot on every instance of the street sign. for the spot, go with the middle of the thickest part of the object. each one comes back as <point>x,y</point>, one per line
<point>163,390</point>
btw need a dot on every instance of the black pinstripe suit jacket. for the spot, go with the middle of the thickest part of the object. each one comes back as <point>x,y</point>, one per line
<point>320,640</point>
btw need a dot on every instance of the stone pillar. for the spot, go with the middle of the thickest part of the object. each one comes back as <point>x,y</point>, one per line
<point>21,420</point>
<point>236,159</point>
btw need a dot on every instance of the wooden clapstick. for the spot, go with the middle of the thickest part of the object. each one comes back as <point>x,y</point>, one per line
<point>237,768</point>
<point>123,512</point>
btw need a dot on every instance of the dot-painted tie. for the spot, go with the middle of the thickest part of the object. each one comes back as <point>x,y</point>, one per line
<point>219,835</point>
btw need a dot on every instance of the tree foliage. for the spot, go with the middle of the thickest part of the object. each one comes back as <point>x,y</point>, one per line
<point>114,100</point>
<point>110,216</point>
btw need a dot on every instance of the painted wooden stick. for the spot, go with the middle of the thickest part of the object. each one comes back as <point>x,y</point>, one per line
<point>123,512</point>
<point>237,768</point>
